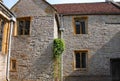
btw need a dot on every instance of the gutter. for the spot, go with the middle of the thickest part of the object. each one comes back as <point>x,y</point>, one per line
<point>62,24</point>
<point>78,14</point>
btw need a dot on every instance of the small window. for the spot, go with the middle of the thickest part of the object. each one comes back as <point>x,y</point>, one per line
<point>23,26</point>
<point>13,65</point>
<point>80,25</point>
<point>81,60</point>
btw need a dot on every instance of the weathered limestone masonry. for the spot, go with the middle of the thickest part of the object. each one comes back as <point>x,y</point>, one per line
<point>102,43</point>
<point>3,66</point>
<point>34,52</point>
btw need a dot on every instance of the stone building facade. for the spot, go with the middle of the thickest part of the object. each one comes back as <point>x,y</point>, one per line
<point>92,39</point>
<point>33,52</point>
<point>102,44</point>
<point>91,34</point>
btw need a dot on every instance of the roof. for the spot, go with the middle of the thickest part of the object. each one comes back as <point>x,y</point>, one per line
<point>4,11</point>
<point>88,8</point>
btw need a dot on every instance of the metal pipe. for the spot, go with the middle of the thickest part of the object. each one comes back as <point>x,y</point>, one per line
<point>9,51</point>
<point>61,36</point>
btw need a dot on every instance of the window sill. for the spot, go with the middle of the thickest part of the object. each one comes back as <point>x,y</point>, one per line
<point>81,69</point>
<point>22,36</point>
<point>13,70</point>
<point>81,34</point>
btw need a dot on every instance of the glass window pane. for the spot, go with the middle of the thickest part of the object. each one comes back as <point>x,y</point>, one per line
<point>13,64</point>
<point>77,57</point>
<point>77,27</point>
<point>83,60</point>
<point>83,27</point>
<point>20,27</point>
<point>27,27</point>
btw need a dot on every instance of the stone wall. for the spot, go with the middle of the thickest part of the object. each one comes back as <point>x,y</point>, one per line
<point>26,8</point>
<point>34,52</point>
<point>102,43</point>
<point>3,58</point>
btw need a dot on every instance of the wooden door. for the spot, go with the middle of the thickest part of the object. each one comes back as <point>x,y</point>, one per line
<point>115,69</point>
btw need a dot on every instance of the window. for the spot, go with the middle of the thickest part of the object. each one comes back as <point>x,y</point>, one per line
<point>23,26</point>
<point>13,65</point>
<point>80,60</point>
<point>80,25</point>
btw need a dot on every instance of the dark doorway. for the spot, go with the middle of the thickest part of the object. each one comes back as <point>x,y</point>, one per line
<point>115,69</point>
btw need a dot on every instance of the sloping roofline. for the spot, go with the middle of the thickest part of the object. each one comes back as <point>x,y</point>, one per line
<point>6,9</point>
<point>6,13</point>
<point>42,0</point>
<point>49,4</point>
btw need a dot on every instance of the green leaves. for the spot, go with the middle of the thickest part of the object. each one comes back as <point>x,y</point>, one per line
<point>58,47</point>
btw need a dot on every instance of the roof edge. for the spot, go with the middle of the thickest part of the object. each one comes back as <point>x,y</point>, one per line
<point>7,10</point>
<point>42,0</point>
<point>49,4</point>
<point>116,4</point>
<point>90,14</point>
<point>15,4</point>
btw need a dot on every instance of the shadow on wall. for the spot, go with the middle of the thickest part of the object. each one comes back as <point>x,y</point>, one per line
<point>38,64</point>
<point>99,63</point>
<point>43,66</point>
<point>39,67</point>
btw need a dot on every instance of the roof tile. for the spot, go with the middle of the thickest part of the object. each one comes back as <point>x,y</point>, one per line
<point>87,8</point>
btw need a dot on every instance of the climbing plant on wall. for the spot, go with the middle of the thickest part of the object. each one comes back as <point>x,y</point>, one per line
<point>58,48</point>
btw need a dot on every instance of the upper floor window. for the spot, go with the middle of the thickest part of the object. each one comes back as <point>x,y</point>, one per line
<point>23,26</point>
<point>80,25</point>
<point>80,60</point>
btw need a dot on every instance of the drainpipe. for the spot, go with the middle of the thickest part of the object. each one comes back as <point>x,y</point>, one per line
<point>9,49</point>
<point>61,28</point>
<point>61,36</point>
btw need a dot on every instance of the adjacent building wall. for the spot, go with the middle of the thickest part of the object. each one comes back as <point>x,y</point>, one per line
<point>102,43</point>
<point>3,62</point>
<point>4,45</point>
